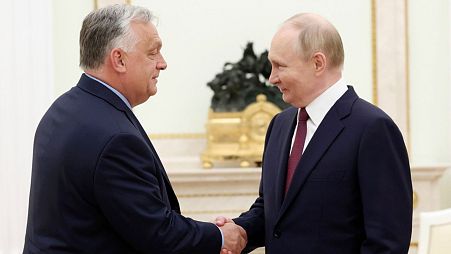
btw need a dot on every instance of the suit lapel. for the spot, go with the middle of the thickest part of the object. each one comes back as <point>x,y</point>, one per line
<point>174,205</point>
<point>325,135</point>
<point>138,125</point>
<point>93,87</point>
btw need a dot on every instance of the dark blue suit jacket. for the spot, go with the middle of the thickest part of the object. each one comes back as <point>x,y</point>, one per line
<point>351,192</point>
<point>98,185</point>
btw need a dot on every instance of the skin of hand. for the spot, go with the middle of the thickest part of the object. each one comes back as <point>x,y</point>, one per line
<point>221,220</point>
<point>239,243</point>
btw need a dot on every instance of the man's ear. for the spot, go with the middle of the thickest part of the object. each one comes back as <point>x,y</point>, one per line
<point>319,61</point>
<point>117,58</point>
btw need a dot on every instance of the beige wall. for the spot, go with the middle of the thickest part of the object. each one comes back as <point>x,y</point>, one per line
<point>431,86</point>
<point>68,16</point>
<point>430,80</point>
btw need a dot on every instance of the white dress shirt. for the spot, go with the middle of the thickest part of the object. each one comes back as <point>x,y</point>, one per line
<point>318,109</point>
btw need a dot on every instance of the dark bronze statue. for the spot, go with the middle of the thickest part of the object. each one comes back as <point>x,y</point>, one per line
<point>239,83</point>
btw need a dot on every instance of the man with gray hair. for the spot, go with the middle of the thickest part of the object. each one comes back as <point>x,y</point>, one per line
<point>336,176</point>
<point>98,185</point>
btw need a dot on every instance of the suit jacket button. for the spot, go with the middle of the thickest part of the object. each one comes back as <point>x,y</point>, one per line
<point>277,234</point>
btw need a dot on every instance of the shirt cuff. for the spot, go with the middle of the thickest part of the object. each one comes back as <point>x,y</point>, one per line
<point>222,238</point>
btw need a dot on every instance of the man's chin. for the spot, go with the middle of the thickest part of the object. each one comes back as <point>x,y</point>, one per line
<point>286,98</point>
<point>151,93</point>
<point>152,89</point>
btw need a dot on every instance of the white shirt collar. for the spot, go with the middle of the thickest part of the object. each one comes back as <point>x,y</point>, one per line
<point>319,107</point>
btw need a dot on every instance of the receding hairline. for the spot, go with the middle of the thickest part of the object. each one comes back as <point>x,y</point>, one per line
<point>316,34</point>
<point>302,20</point>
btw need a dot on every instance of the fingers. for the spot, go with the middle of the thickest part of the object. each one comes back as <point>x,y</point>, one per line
<point>225,251</point>
<point>221,220</point>
<point>243,234</point>
<point>235,238</point>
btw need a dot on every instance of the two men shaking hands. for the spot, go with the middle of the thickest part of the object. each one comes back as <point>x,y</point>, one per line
<point>335,173</point>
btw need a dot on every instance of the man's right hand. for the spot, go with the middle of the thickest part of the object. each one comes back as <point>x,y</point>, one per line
<point>221,220</point>
<point>235,238</point>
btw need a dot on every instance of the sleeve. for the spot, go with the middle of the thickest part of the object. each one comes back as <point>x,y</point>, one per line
<point>253,221</point>
<point>386,189</point>
<point>128,193</point>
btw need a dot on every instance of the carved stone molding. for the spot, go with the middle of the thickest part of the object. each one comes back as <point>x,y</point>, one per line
<point>391,84</point>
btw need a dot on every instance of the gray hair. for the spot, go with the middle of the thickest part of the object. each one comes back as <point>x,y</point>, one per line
<point>316,34</point>
<point>108,28</point>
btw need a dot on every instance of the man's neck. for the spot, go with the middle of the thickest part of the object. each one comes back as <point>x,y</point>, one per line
<point>107,77</point>
<point>328,80</point>
<point>111,79</point>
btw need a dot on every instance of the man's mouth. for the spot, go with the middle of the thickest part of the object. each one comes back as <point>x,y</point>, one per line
<point>281,89</point>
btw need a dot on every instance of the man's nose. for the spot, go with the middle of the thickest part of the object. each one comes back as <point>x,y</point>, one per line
<point>161,65</point>
<point>274,77</point>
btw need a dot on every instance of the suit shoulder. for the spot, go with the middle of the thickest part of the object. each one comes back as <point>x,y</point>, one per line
<point>92,112</point>
<point>369,112</point>
<point>366,116</point>
<point>84,119</point>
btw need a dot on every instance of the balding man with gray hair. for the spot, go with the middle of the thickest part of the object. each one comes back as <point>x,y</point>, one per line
<point>335,173</point>
<point>98,185</point>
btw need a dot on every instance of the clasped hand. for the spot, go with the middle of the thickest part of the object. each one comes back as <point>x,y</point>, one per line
<point>235,237</point>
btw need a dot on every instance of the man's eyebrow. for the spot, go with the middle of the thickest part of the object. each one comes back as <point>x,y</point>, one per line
<point>273,61</point>
<point>157,44</point>
<point>270,58</point>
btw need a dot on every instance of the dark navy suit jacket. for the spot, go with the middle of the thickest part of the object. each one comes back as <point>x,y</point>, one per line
<point>351,192</point>
<point>98,185</point>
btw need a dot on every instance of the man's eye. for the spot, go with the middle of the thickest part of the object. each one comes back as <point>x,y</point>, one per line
<point>153,53</point>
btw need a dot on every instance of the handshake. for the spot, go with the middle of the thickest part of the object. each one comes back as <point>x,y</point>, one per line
<point>235,237</point>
